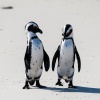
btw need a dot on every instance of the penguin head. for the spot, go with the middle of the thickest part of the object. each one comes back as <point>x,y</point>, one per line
<point>67,30</point>
<point>33,27</point>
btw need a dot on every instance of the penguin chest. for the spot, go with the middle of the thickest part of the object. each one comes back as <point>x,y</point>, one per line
<point>66,58</point>
<point>36,54</point>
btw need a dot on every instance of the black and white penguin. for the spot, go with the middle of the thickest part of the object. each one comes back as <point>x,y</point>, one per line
<point>66,53</point>
<point>35,56</point>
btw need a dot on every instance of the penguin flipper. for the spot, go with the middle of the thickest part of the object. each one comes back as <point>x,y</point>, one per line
<point>78,59</point>
<point>56,55</point>
<point>46,61</point>
<point>27,59</point>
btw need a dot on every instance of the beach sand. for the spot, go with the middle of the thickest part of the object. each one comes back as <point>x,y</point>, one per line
<point>51,16</point>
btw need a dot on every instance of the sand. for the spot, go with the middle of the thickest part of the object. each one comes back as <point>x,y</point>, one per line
<point>51,16</point>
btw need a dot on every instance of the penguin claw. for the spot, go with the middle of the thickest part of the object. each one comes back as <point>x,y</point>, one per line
<point>59,83</point>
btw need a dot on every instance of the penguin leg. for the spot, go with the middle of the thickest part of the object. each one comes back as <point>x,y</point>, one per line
<point>26,85</point>
<point>70,85</point>
<point>59,82</point>
<point>38,84</point>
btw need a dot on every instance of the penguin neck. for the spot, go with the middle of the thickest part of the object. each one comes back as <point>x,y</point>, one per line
<point>30,35</point>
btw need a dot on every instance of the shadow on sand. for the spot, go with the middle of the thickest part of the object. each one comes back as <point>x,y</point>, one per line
<point>79,89</point>
<point>8,7</point>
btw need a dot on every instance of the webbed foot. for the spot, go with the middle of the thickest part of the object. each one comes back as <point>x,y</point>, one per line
<point>71,85</point>
<point>38,84</point>
<point>59,83</point>
<point>26,87</point>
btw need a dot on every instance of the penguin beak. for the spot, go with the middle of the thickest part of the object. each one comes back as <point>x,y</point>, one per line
<point>62,34</point>
<point>39,30</point>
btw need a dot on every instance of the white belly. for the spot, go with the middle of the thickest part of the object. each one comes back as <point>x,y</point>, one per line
<point>36,59</point>
<point>66,59</point>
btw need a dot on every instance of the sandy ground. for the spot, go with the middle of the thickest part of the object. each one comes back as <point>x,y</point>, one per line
<point>51,15</point>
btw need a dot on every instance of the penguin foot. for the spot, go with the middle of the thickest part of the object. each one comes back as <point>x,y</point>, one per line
<point>71,86</point>
<point>41,86</point>
<point>26,87</point>
<point>38,84</point>
<point>59,83</point>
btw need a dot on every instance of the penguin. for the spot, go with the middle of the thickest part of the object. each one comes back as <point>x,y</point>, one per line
<point>66,54</point>
<point>35,56</point>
